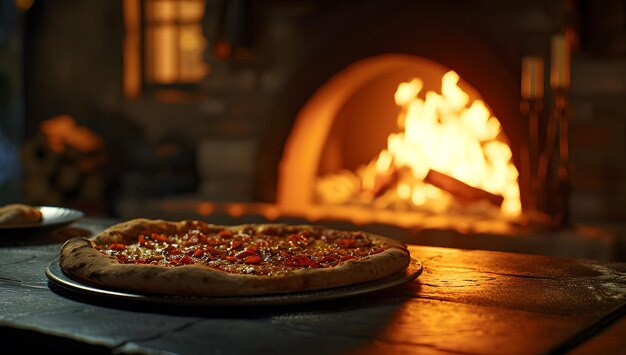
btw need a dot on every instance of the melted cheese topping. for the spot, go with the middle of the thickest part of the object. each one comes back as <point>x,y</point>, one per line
<point>249,252</point>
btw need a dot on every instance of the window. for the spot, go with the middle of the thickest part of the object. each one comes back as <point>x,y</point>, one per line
<point>164,45</point>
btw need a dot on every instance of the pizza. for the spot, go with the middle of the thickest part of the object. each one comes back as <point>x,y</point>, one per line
<point>195,258</point>
<point>17,214</point>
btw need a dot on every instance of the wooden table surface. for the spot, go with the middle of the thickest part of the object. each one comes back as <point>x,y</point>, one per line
<point>464,302</point>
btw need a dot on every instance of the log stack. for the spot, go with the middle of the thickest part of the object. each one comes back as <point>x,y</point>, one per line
<point>61,168</point>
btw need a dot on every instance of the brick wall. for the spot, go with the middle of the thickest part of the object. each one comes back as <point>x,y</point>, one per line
<point>598,138</point>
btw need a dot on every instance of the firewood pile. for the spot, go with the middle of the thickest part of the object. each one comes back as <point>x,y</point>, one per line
<point>64,164</point>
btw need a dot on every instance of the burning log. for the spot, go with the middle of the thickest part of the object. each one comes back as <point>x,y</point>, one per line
<point>383,182</point>
<point>379,175</point>
<point>460,190</point>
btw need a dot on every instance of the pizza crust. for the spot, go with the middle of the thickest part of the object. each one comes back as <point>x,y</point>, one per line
<point>78,257</point>
<point>15,214</point>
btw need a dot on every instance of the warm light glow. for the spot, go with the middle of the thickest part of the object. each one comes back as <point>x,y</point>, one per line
<point>163,45</point>
<point>24,5</point>
<point>191,10</point>
<point>235,210</point>
<point>192,45</point>
<point>132,48</point>
<point>404,191</point>
<point>446,132</point>
<point>408,91</point>
<point>205,209</point>
<point>164,10</point>
<point>270,212</point>
<point>365,194</point>
<point>62,132</point>
<point>532,78</point>
<point>560,64</point>
<point>174,41</point>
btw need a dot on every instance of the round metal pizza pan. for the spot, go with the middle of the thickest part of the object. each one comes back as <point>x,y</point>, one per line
<point>60,279</point>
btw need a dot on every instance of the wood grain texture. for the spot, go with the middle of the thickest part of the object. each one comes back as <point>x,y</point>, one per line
<point>608,341</point>
<point>464,302</point>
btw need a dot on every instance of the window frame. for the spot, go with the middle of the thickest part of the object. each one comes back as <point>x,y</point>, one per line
<point>137,79</point>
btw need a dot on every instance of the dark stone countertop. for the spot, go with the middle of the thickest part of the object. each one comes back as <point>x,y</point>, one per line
<point>465,301</point>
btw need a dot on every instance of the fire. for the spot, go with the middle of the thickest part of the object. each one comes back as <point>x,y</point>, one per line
<point>447,133</point>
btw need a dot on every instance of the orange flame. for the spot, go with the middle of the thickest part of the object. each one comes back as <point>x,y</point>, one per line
<point>448,133</point>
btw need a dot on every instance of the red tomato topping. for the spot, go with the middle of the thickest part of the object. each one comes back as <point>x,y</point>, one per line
<point>291,262</point>
<point>347,257</point>
<point>235,244</point>
<point>117,246</point>
<point>285,254</point>
<point>297,239</point>
<point>346,243</point>
<point>230,258</point>
<point>302,261</point>
<point>198,252</point>
<point>327,259</point>
<point>379,250</point>
<point>145,243</point>
<point>159,237</point>
<point>225,234</point>
<point>252,259</point>
<point>244,253</point>
<point>186,260</point>
<point>214,251</point>
<point>171,250</point>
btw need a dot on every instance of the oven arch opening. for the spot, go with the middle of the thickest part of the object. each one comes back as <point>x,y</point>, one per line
<point>348,120</point>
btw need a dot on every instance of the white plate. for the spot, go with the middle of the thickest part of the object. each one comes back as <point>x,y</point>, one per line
<point>51,217</point>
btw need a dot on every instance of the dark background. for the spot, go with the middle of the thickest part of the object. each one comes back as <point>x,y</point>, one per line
<point>65,57</point>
